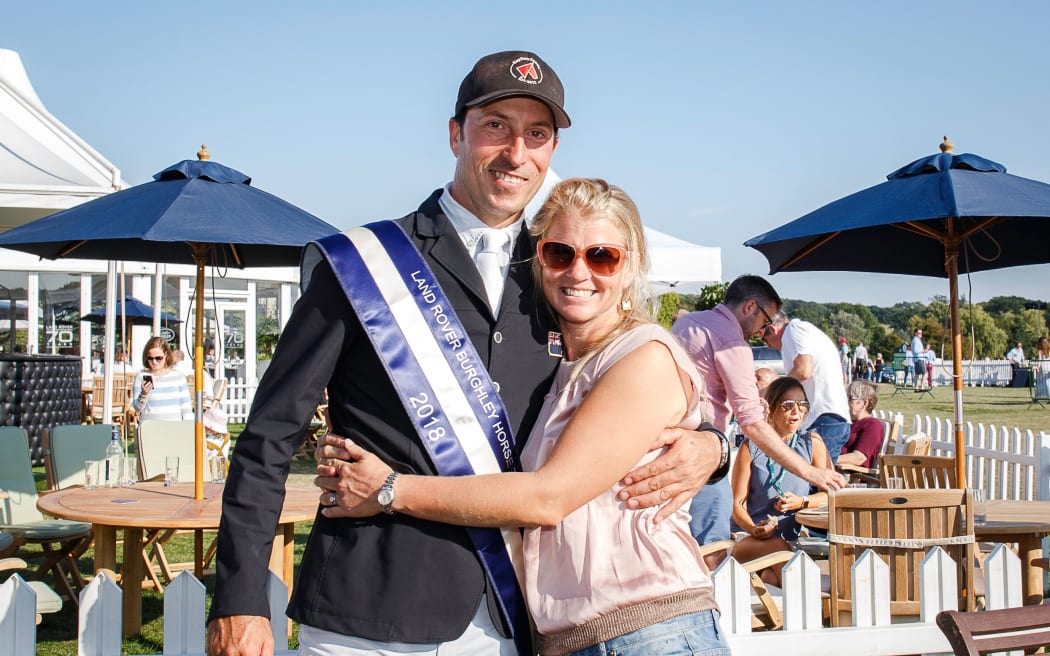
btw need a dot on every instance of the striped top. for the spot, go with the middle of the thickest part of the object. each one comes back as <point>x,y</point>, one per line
<point>168,401</point>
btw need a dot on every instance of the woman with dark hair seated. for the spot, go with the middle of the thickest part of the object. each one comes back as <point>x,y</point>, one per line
<point>765,495</point>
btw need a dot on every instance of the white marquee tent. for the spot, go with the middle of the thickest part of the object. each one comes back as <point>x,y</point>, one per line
<point>675,265</point>
<point>44,166</point>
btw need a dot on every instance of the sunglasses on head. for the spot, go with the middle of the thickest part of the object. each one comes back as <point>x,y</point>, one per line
<point>788,405</point>
<point>601,259</point>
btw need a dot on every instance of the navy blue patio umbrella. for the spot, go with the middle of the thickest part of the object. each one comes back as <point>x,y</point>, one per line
<point>194,212</point>
<point>135,313</point>
<point>938,215</point>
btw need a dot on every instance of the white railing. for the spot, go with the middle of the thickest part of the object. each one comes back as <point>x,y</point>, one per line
<point>239,397</point>
<point>976,373</point>
<point>1006,462</point>
<point>871,634</point>
<point>99,629</point>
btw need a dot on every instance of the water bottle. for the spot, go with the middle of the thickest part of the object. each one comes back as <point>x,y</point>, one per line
<point>114,459</point>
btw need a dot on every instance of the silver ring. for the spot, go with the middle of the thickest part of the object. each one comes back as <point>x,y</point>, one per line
<point>331,499</point>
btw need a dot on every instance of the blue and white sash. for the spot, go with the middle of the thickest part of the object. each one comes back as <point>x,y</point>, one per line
<point>442,382</point>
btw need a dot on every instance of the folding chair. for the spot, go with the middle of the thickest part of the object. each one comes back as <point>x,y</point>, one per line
<point>919,472</point>
<point>157,441</point>
<point>59,539</point>
<point>900,527</point>
<point>66,448</point>
<point>986,631</point>
<point>47,600</point>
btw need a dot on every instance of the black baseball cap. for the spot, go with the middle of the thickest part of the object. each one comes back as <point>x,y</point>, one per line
<point>513,73</point>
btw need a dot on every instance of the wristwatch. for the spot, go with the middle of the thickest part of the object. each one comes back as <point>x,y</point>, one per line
<point>386,493</point>
<point>805,502</point>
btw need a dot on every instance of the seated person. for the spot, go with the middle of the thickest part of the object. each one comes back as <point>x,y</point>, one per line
<point>765,495</point>
<point>865,434</point>
<point>763,377</point>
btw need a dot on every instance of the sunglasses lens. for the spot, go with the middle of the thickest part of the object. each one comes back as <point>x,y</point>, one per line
<point>557,256</point>
<point>604,260</point>
<point>787,406</point>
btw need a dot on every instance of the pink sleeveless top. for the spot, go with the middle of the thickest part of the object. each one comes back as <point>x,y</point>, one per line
<point>604,556</point>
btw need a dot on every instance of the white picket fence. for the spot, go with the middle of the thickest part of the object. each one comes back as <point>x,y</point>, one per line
<point>872,634</point>
<point>1006,462</point>
<point>239,397</point>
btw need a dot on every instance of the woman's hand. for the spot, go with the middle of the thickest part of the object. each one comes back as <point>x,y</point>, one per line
<point>349,489</point>
<point>147,387</point>
<point>789,502</point>
<point>765,530</point>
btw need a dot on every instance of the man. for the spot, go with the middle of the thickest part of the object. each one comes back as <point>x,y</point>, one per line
<point>366,586</point>
<point>860,361</point>
<point>810,356</point>
<point>180,364</point>
<point>1016,355</point>
<point>717,341</point>
<point>918,359</point>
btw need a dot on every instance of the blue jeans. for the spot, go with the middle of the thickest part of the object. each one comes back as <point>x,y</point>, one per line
<point>697,634</point>
<point>834,430</point>
<point>710,511</point>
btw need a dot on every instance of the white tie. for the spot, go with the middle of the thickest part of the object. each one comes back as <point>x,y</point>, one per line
<point>490,260</point>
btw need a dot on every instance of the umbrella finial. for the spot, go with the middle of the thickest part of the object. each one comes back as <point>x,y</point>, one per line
<point>947,146</point>
<point>203,154</point>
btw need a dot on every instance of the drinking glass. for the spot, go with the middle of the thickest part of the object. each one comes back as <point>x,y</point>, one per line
<point>980,511</point>
<point>91,474</point>
<point>218,468</point>
<point>171,470</point>
<point>895,483</point>
<point>131,471</point>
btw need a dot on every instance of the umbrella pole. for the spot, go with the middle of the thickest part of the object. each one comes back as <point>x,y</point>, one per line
<point>200,255</point>
<point>952,265</point>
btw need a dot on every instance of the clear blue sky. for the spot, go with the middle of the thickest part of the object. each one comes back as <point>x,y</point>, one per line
<point>722,120</point>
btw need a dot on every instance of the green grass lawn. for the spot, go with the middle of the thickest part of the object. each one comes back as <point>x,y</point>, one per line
<point>56,635</point>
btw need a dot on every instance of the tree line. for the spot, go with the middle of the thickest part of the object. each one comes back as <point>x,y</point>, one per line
<point>989,329</point>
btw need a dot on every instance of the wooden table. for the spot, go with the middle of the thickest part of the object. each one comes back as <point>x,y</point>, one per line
<point>1023,522</point>
<point>150,505</point>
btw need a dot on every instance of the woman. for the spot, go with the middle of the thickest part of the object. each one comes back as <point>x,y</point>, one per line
<point>765,495</point>
<point>1042,368</point>
<point>598,576</point>
<point>865,433</point>
<point>159,392</point>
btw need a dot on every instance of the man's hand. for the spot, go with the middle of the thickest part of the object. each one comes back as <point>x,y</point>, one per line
<point>824,478</point>
<point>239,635</point>
<point>674,477</point>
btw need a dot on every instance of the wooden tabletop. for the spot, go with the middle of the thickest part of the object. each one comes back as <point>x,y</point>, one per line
<point>1004,518</point>
<point>152,505</point>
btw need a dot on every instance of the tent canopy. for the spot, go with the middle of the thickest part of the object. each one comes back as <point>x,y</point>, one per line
<point>44,166</point>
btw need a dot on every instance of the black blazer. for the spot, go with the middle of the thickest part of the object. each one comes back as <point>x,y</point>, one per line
<point>388,577</point>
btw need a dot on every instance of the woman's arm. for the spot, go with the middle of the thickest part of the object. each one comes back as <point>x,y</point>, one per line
<point>137,400</point>
<point>184,393</point>
<point>610,431</point>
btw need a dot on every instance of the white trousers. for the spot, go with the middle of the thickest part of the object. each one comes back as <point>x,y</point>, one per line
<point>479,639</point>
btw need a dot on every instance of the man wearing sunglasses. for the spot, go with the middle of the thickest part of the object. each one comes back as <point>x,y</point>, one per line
<point>718,341</point>
<point>810,356</point>
<point>364,584</point>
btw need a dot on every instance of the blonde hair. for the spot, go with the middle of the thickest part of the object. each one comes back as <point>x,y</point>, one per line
<point>595,198</point>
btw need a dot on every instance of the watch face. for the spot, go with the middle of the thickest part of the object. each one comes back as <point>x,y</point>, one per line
<point>385,497</point>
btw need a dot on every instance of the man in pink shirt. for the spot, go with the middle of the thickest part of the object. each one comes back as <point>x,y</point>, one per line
<point>717,340</point>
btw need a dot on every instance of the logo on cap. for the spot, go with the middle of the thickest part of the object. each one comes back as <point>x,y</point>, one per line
<point>527,70</point>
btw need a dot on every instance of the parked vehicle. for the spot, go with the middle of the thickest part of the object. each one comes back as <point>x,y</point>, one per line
<point>767,356</point>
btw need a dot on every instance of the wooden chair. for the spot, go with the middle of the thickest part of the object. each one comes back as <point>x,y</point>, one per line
<point>916,444</point>
<point>47,600</point>
<point>67,447</point>
<point>120,403</point>
<point>919,472</point>
<point>60,540</point>
<point>158,440</point>
<point>900,527</point>
<point>891,430</point>
<point>983,632</point>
